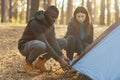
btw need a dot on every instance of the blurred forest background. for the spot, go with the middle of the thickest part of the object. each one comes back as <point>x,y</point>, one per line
<point>14,14</point>
<point>102,12</point>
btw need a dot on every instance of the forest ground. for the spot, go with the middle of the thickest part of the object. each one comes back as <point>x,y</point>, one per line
<point>11,67</point>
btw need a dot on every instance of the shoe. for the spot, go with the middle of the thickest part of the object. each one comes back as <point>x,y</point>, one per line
<point>40,64</point>
<point>29,69</point>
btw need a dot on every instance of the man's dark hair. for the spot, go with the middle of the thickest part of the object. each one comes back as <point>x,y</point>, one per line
<point>52,8</point>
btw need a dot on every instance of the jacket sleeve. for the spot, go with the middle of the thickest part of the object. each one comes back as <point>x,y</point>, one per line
<point>53,42</point>
<point>69,30</point>
<point>50,49</point>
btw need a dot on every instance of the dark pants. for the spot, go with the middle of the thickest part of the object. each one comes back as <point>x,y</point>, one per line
<point>35,48</point>
<point>74,45</point>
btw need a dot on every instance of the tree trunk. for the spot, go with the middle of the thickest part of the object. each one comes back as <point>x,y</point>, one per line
<point>28,10</point>
<point>10,11</point>
<point>108,12</point>
<point>69,10</point>
<point>89,7</point>
<point>102,13</point>
<point>116,10</point>
<point>82,3</point>
<point>22,11</point>
<point>55,3</point>
<point>34,7</point>
<point>62,14</point>
<point>95,12</point>
<point>46,3</point>
<point>15,11</point>
<point>3,12</point>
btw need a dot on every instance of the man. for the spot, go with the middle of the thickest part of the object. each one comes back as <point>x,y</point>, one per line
<point>38,38</point>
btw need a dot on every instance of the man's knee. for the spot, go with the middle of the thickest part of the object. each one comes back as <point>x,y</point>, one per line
<point>38,45</point>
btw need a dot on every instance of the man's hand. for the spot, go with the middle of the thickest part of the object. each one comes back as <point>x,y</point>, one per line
<point>64,63</point>
<point>65,58</point>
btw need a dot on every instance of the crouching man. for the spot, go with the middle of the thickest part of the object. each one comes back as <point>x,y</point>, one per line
<point>39,38</point>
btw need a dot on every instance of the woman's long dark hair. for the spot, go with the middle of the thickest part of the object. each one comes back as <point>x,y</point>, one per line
<point>82,9</point>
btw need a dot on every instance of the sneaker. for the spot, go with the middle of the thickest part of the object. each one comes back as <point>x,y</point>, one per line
<point>29,69</point>
<point>40,64</point>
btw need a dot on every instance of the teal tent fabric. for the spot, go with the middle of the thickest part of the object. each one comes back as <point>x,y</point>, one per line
<point>102,62</point>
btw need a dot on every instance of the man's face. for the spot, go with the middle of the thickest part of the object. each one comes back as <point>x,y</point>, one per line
<point>80,17</point>
<point>52,16</point>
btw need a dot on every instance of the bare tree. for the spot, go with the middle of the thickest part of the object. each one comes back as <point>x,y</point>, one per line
<point>116,10</point>
<point>82,3</point>
<point>108,12</point>
<point>46,3</point>
<point>10,10</point>
<point>15,10</point>
<point>102,13</point>
<point>22,11</point>
<point>89,7</point>
<point>62,13</point>
<point>94,12</point>
<point>69,10</point>
<point>28,10</point>
<point>55,2</point>
<point>34,7</point>
<point>4,11</point>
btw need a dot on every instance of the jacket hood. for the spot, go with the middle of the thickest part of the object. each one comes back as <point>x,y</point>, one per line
<point>40,17</point>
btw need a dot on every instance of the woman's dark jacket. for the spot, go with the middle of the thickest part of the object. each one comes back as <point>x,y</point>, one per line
<point>74,29</point>
<point>38,28</point>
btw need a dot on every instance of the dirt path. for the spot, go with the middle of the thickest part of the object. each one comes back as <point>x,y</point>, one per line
<point>10,59</point>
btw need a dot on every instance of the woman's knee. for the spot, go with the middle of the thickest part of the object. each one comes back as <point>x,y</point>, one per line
<point>62,42</point>
<point>70,40</point>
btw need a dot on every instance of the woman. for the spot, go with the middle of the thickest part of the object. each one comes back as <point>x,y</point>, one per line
<point>79,32</point>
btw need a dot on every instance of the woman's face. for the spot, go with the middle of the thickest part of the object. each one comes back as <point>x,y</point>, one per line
<point>80,17</point>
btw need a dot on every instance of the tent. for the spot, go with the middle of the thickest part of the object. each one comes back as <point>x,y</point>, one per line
<point>101,60</point>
